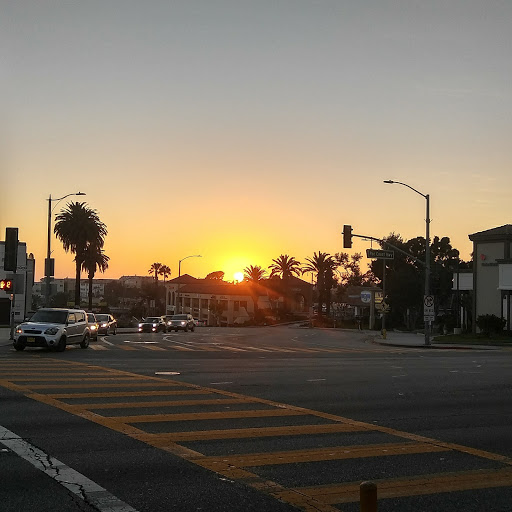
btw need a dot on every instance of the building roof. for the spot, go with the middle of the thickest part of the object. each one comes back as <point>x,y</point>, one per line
<point>183,279</point>
<point>498,234</point>
<point>213,287</point>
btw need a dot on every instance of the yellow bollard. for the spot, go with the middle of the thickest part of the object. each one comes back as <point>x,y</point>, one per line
<point>368,497</point>
<point>384,334</point>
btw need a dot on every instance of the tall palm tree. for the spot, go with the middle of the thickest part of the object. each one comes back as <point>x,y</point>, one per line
<point>78,226</point>
<point>95,259</point>
<point>285,267</point>
<point>164,271</point>
<point>253,275</point>
<point>323,265</point>
<point>155,269</point>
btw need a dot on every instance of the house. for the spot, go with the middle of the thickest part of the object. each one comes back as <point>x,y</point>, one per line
<point>492,273</point>
<point>218,302</point>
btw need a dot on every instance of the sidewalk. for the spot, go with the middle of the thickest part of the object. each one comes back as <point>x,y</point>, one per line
<point>411,339</point>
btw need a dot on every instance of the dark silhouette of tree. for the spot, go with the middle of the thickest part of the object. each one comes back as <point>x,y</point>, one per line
<point>94,259</point>
<point>253,275</point>
<point>78,226</point>
<point>215,276</point>
<point>164,271</point>
<point>323,265</point>
<point>285,267</point>
<point>155,269</point>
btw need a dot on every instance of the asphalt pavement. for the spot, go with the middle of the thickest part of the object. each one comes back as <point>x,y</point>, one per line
<point>392,338</point>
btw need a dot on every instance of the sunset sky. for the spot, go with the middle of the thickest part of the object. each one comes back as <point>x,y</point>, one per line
<point>241,130</point>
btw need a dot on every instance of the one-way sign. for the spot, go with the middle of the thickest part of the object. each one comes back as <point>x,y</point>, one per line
<point>380,254</point>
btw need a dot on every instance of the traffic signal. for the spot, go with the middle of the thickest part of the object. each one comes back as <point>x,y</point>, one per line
<point>6,285</point>
<point>347,236</point>
<point>11,249</point>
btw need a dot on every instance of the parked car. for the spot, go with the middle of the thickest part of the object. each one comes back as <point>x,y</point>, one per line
<point>53,328</point>
<point>107,324</point>
<point>183,322</point>
<point>153,324</point>
<point>93,326</point>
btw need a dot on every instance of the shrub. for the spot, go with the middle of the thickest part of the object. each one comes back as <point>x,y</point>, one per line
<point>490,324</point>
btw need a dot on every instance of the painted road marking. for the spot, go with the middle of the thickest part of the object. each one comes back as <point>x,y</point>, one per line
<point>233,466</point>
<point>78,484</point>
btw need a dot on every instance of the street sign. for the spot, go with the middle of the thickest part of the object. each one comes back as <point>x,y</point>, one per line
<point>366,296</point>
<point>428,308</point>
<point>383,306</point>
<point>380,254</point>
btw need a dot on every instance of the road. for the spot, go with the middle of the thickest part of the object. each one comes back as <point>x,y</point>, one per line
<point>254,419</point>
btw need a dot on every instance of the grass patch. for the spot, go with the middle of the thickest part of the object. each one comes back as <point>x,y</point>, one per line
<point>475,339</point>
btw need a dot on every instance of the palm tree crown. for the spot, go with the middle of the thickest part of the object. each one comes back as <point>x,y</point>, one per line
<point>285,267</point>
<point>254,274</point>
<point>155,269</point>
<point>78,226</point>
<point>95,259</point>
<point>164,271</point>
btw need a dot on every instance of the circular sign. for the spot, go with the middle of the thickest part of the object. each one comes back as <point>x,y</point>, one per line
<point>366,296</point>
<point>429,301</point>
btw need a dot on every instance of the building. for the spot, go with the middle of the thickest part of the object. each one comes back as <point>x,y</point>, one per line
<point>219,303</point>
<point>23,280</point>
<point>492,273</point>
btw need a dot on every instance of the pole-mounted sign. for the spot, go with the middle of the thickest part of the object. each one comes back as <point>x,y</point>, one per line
<point>380,254</point>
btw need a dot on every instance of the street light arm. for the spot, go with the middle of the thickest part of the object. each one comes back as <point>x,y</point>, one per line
<point>405,185</point>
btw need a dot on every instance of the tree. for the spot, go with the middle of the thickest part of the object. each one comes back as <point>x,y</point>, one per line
<point>254,274</point>
<point>323,265</point>
<point>94,259</point>
<point>215,276</point>
<point>164,271</point>
<point>285,267</point>
<point>155,269</point>
<point>78,226</point>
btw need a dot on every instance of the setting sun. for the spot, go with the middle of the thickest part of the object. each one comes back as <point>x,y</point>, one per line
<point>238,276</point>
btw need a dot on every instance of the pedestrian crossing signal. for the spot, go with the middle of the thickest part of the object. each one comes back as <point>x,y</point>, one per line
<point>6,285</point>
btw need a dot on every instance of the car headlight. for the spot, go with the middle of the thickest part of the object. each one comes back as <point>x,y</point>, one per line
<point>52,330</point>
<point>104,325</point>
<point>140,325</point>
<point>93,327</point>
<point>182,323</point>
<point>19,330</point>
<point>154,325</point>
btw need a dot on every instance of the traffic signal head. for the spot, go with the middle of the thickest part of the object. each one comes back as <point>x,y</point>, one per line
<point>6,285</point>
<point>347,236</point>
<point>11,249</point>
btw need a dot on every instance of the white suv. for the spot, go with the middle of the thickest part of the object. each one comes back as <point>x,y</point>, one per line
<point>53,328</point>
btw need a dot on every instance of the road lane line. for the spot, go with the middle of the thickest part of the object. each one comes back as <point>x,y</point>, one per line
<point>322,454</point>
<point>194,416</point>
<point>413,486</point>
<point>78,484</point>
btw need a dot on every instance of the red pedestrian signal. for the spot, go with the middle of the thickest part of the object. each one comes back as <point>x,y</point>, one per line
<point>6,285</point>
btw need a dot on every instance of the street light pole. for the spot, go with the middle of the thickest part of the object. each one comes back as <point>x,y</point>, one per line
<point>179,275</point>
<point>48,267</point>
<point>427,250</point>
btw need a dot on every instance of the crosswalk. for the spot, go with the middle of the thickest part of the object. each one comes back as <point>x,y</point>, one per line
<point>129,345</point>
<point>310,459</point>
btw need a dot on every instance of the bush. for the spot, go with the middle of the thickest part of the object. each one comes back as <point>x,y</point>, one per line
<point>490,324</point>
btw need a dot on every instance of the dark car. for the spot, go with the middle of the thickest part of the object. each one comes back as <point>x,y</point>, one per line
<point>107,324</point>
<point>183,322</point>
<point>153,324</point>
<point>93,326</point>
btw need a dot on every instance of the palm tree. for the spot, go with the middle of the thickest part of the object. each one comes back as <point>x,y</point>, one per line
<point>78,226</point>
<point>95,259</point>
<point>323,265</point>
<point>253,275</point>
<point>165,271</point>
<point>285,267</point>
<point>155,269</point>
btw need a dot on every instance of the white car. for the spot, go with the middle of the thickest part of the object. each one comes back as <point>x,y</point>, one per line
<point>53,328</point>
